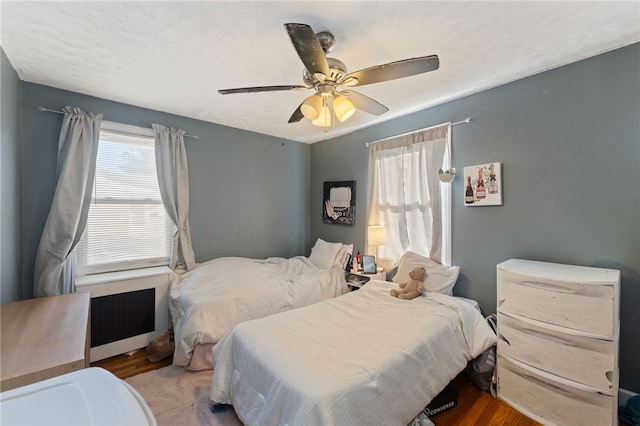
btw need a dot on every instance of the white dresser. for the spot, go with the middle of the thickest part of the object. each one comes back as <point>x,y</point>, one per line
<point>557,352</point>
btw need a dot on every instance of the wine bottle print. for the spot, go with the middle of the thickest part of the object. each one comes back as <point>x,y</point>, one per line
<point>468,193</point>
<point>483,185</point>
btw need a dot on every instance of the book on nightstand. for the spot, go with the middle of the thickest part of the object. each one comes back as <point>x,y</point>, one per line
<point>356,280</point>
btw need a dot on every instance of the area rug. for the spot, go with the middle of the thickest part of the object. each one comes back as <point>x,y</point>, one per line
<point>178,397</point>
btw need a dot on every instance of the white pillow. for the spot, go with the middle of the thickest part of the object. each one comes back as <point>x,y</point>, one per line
<point>323,254</point>
<point>343,255</point>
<point>438,279</point>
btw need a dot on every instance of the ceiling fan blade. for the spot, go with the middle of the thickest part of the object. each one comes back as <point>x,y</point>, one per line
<point>260,89</point>
<point>365,103</point>
<point>309,49</point>
<point>297,115</point>
<point>391,71</point>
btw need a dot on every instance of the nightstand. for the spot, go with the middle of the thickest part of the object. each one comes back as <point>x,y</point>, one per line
<point>355,281</point>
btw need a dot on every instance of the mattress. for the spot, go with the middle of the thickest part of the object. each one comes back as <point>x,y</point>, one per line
<point>208,301</point>
<point>363,358</point>
<point>91,396</point>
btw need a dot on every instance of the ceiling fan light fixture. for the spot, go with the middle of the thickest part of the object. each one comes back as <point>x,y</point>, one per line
<point>312,107</point>
<point>327,75</point>
<point>324,119</point>
<point>343,107</point>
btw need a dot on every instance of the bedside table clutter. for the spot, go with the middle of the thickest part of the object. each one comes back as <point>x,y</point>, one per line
<point>355,281</point>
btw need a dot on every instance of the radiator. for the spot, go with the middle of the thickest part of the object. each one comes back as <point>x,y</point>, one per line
<point>128,309</point>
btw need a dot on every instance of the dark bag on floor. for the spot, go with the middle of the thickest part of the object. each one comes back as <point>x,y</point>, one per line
<point>481,370</point>
<point>161,347</point>
<point>630,412</point>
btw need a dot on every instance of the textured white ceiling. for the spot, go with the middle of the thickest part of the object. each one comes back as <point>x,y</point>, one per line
<point>173,56</point>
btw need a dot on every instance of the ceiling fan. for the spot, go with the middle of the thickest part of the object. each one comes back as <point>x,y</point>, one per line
<point>328,76</point>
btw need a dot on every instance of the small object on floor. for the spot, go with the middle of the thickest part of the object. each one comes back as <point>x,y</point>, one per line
<point>446,399</point>
<point>630,412</point>
<point>482,369</point>
<point>161,347</point>
<point>220,408</point>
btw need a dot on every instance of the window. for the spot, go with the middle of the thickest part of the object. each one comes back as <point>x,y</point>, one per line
<point>128,226</point>
<point>406,196</point>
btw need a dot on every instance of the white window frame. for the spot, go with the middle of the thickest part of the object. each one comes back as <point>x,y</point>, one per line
<point>82,268</point>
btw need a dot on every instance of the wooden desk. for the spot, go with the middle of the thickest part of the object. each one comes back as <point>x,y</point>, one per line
<point>43,338</point>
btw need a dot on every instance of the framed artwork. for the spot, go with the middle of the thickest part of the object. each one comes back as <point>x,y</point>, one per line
<point>483,185</point>
<point>339,202</point>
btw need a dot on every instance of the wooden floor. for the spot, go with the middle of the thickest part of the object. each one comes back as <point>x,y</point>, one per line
<point>474,406</point>
<point>125,366</point>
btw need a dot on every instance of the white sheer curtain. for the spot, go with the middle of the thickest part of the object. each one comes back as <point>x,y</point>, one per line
<point>173,177</point>
<point>404,192</point>
<point>77,150</point>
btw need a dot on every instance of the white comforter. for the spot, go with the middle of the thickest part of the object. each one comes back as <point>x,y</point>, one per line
<point>208,301</point>
<point>365,358</point>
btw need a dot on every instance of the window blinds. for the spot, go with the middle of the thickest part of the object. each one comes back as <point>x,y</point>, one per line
<point>127,226</point>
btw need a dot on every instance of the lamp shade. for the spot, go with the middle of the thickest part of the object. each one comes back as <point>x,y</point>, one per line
<point>343,107</point>
<point>376,235</point>
<point>311,107</point>
<point>324,118</point>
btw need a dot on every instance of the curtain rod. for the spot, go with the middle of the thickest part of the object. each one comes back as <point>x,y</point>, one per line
<point>466,120</point>
<point>43,109</point>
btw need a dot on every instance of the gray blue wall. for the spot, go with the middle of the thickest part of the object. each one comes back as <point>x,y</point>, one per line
<point>248,192</point>
<point>569,141</point>
<point>10,127</point>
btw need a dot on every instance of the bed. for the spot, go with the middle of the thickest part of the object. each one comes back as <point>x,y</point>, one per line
<point>208,301</point>
<point>363,358</point>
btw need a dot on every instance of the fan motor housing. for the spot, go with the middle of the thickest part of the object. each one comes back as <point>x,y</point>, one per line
<point>337,70</point>
<point>326,40</point>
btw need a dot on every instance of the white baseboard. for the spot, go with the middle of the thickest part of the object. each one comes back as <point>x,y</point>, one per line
<point>624,395</point>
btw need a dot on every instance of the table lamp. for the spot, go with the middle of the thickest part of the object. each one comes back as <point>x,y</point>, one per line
<point>376,237</point>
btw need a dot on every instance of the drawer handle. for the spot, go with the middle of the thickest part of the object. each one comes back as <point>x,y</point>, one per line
<point>550,287</point>
<point>549,386</point>
<point>504,339</point>
<point>547,337</point>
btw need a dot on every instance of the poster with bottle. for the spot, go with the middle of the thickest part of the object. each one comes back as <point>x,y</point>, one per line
<point>483,185</point>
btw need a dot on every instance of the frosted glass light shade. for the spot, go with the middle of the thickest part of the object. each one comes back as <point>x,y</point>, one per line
<point>324,118</point>
<point>343,107</point>
<point>376,235</point>
<point>312,107</point>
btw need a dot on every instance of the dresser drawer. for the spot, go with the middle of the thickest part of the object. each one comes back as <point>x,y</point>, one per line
<point>579,358</point>
<point>557,402</point>
<point>584,307</point>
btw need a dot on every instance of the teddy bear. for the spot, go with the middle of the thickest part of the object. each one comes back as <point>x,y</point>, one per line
<point>412,288</point>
